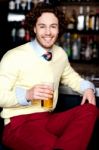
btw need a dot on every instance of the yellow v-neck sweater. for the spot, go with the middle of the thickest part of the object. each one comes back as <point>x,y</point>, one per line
<point>21,67</point>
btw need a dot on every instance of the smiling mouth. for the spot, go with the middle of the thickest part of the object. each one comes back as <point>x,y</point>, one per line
<point>48,40</point>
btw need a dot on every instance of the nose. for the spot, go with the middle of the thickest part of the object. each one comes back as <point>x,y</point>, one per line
<point>47,31</point>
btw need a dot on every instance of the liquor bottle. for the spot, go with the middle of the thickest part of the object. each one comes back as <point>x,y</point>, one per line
<point>92,20</point>
<point>68,41</point>
<point>95,50</point>
<point>67,44</point>
<point>88,50</point>
<point>14,32</point>
<point>23,6</point>
<point>11,6</point>
<point>83,47</point>
<point>97,20</point>
<point>87,18</point>
<point>76,47</point>
<point>18,4</point>
<point>21,33</point>
<point>72,20</point>
<point>79,44</point>
<point>29,5</point>
<point>80,19</point>
<point>27,36</point>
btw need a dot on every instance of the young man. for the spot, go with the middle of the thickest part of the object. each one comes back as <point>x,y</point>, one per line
<point>23,73</point>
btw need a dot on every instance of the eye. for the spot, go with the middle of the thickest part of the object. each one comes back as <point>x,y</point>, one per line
<point>42,26</point>
<point>54,26</point>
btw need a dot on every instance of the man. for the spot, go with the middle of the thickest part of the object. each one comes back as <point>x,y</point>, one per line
<point>23,73</point>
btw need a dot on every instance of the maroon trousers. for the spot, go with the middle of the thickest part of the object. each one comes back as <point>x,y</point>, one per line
<point>68,130</point>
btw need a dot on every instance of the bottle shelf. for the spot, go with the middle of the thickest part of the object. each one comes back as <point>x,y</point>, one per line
<point>84,31</point>
<point>79,3</point>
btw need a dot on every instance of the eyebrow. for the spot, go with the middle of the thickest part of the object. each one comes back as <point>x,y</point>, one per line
<point>45,24</point>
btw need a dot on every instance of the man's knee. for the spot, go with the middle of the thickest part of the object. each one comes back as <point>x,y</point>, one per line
<point>89,110</point>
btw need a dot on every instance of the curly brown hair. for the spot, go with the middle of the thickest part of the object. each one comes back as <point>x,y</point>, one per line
<point>36,12</point>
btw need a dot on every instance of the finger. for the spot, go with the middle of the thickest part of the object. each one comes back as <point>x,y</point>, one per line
<point>43,89</point>
<point>42,96</point>
<point>93,101</point>
<point>83,100</point>
<point>45,86</point>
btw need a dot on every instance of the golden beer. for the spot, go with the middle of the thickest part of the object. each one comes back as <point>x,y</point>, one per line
<point>36,102</point>
<point>48,103</point>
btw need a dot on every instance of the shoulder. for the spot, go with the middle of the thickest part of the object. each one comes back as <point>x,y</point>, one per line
<point>16,53</point>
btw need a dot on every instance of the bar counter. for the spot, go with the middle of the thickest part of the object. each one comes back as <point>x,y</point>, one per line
<point>67,90</point>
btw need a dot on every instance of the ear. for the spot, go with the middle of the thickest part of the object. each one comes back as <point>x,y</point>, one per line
<point>34,30</point>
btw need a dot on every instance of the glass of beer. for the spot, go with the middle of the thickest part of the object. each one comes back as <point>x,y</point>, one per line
<point>49,102</point>
<point>36,102</point>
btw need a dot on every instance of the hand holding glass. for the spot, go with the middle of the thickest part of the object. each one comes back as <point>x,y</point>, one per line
<point>48,89</point>
<point>48,103</point>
